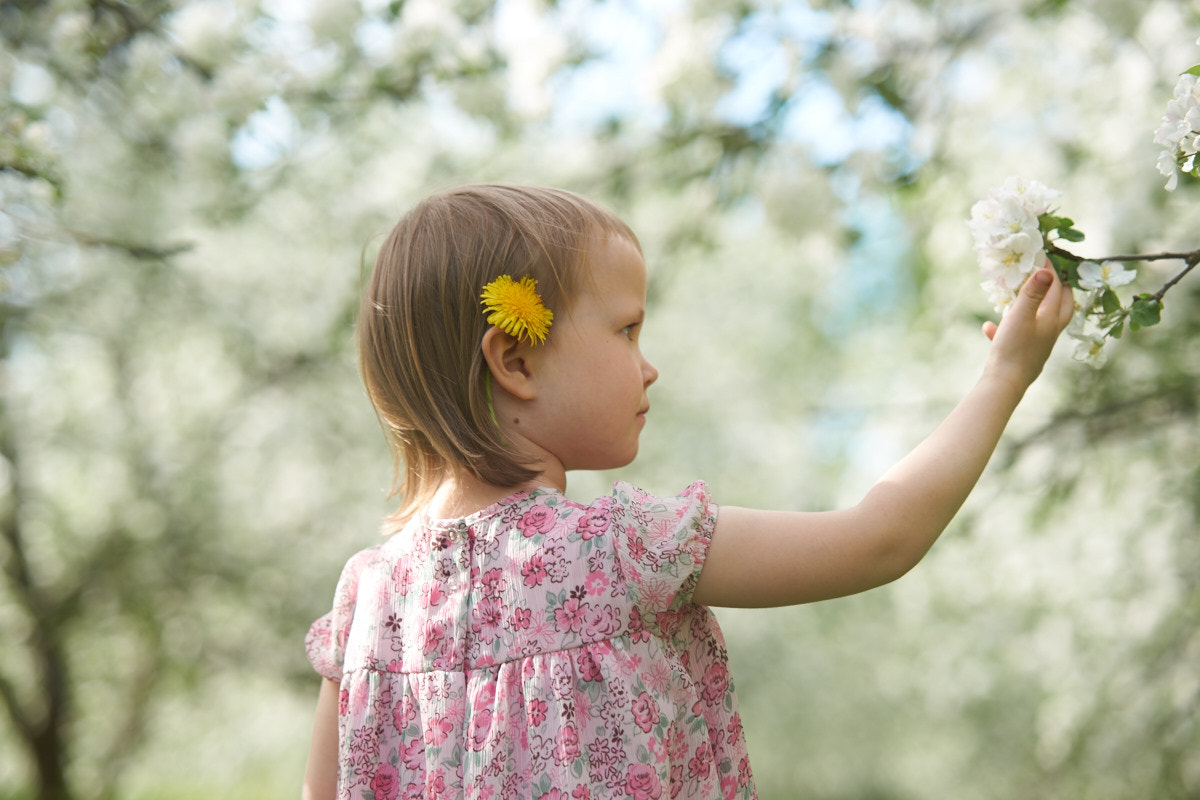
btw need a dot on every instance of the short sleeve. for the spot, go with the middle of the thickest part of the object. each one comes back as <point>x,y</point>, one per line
<point>662,543</point>
<point>325,643</point>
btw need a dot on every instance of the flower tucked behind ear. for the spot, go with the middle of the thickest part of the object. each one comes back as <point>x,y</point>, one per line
<point>516,308</point>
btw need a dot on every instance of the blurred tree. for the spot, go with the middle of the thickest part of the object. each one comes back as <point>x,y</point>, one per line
<point>186,190</point>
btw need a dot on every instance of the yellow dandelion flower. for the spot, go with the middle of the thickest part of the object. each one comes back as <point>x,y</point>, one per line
<point>516,308</point>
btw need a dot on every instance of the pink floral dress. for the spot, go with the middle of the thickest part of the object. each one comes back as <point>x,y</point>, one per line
<point>536,649</point>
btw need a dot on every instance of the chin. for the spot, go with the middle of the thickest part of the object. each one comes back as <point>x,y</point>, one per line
<point>628,459</point>
<point>608,461</point>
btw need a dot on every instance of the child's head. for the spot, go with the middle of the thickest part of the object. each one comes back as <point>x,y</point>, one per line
<point>422,322</point>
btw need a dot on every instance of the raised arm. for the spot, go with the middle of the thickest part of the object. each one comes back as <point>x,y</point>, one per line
<point>775,558</point>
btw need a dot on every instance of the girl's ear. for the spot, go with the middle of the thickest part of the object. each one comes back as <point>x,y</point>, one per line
<point>506,358</point>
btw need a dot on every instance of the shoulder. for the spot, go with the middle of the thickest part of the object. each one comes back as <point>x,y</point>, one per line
<point>347,585</point>
<point>662,541</point>
<point>694,505</point>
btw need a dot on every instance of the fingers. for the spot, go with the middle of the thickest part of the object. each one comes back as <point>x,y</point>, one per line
<point>1039,284</point>
<point>1043,299</point>
<point>1056,301</point>
<point>1066,307</point>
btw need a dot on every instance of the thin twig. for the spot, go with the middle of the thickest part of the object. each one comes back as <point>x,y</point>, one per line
<point>1191,264</point>
<point>1190,259</point>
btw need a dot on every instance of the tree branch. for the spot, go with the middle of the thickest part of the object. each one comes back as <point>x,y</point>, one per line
<point>1190,260</point>
<point>142,252</point>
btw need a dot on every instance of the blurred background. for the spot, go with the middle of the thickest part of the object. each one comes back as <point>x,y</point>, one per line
<point>191,193</point>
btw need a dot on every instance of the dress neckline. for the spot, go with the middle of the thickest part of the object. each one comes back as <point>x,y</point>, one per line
<point>492,510</point>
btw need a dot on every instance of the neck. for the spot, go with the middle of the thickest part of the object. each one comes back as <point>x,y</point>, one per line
<point>462,493</point>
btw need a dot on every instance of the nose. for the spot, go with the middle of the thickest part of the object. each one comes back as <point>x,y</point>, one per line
<point>649,372</point>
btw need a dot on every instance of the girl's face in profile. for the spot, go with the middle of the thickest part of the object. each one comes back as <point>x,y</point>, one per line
<point>593,374</point>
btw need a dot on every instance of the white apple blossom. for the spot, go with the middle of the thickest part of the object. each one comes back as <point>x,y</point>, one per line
<point>1179,131</point>
<point>1008,239</point>
<point>1108,275</point>
<point>1078,326</point>
<point>1090,349</point>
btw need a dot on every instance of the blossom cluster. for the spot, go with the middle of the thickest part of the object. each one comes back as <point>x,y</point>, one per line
<point>1179,131</point>
<point>1011,228</point>
<point>1099,313</point>
<point>1008,236</point>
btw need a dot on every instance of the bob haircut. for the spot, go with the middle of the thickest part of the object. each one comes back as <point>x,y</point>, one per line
<point>421,323</point>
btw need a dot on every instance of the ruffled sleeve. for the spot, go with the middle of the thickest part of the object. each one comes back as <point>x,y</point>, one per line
<point>326,640</point>
<point>662,543</point>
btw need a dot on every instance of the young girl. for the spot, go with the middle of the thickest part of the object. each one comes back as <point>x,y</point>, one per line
<point>506,642</point>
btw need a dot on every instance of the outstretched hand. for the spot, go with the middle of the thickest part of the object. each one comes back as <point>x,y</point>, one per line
<point>1022,341</point>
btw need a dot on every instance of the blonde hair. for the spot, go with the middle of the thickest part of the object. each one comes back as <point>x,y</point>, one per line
<point>421,322</point>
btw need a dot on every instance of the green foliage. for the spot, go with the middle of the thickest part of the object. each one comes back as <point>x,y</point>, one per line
<point>1066,267</point>
<point>1059,227</point>
<point>1145,312</point>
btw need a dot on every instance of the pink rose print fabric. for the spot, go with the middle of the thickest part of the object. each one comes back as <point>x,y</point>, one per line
<point>536,649</point>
